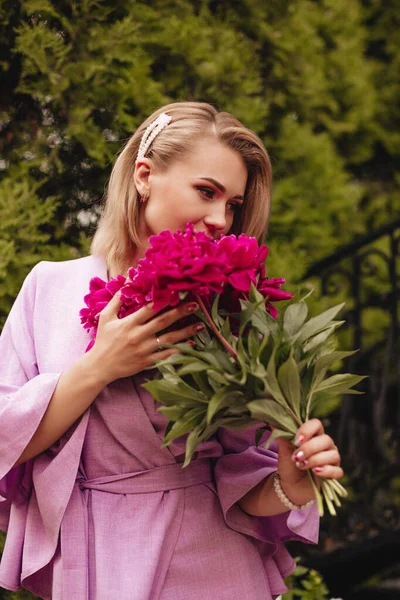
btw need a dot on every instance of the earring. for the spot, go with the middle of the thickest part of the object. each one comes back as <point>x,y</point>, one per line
<point>145,197</point>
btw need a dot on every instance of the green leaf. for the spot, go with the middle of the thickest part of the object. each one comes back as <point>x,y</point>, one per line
<point>168,427</point>
<point>217,401</point>
<point>185,424</point>
<point>225,397</point>
<point>201,380</point>
<point>172,412</point>
<point>289,381</point>
<point>238,423</point>
<point>266,348</point>
<point>321,337</point>
<point>271,382</point>
<point>253,346</point>
<point>294,318</point>
<point>214,312</point>
<point>172,378</point>
<point>278,433</point>
<point>255,296</point>
<point>192,441</point>
<point>272,413</point>
<point>243,361</point>
<point>248,310</point>
<point>317,324</point>
<point>166,393</point>
<point>240,410</point>
<point>193,367</point>
<point>226,331</point>
<point>225,361</point>
<point>217,376</point>
<point>323,363</point>
<point>263,343</point>
<point>175,359</point>
<point>300,571</point>
<point>203,337</point>
<point>260,372</point>
<point>263,321</point>
<point>202,355</point>
<point>340,384</point>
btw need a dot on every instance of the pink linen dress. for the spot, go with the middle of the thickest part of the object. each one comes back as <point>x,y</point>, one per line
<point>106,513</point>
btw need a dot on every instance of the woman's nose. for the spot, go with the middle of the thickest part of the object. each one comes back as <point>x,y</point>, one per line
<point>216,220</point>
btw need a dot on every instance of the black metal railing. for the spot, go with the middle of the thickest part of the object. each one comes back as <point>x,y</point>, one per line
<point>365,273</point>
<point>369,426</point>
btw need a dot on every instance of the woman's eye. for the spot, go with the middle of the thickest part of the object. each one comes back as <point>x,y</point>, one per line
<point>233,206</point>
<point>210,193</point>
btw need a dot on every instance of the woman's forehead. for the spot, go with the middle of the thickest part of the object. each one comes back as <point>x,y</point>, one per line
<point>211,159</point>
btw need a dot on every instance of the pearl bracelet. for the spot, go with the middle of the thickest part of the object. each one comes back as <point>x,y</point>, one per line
<point>284,499</point>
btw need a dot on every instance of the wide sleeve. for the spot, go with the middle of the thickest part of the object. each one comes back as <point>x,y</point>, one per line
<point>24,394</point>
<point>31,508</point>
<point>240,468</point>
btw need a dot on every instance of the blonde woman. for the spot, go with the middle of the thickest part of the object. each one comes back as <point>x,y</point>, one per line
<point>93,507</point>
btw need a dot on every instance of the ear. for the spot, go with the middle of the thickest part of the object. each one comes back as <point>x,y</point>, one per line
<point>143,170</point>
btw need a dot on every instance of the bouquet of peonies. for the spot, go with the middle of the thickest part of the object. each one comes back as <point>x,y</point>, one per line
<point>250,365</point>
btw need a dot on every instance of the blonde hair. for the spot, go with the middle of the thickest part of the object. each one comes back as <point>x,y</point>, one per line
<point>116,238</point>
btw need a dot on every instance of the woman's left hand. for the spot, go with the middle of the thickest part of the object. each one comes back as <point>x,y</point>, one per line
<point>314,450</point>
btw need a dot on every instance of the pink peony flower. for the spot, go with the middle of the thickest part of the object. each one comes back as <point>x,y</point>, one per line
<point>100,294</point>
<point>183,265</point>
<point>245,259</point>
<point>177,264</point>
<point>270,289</point>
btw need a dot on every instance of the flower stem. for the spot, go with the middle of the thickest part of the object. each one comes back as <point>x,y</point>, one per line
<point>295,417</point>
<point>219,335</point>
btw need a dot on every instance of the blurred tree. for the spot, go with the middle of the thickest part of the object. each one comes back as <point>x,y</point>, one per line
<point>79,77</point>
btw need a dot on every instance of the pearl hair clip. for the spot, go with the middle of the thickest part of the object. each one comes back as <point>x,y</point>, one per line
<point>151,132</point>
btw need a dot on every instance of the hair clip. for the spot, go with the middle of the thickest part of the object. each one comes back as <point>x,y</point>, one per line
<point>151,132</point>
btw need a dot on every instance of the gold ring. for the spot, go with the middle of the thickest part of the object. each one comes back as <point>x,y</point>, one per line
<point>158,344</point>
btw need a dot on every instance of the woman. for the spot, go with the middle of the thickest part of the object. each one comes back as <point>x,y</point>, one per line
<point>94,508</point>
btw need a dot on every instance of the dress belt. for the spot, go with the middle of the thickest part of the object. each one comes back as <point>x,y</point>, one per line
<point>158,479</point>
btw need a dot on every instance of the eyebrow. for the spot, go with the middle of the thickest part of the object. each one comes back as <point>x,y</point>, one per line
<point>221,187</point>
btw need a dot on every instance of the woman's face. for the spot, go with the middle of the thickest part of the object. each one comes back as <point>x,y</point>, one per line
<point>206,188</point>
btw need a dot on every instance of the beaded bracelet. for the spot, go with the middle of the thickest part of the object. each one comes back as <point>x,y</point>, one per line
<point>284,499</point>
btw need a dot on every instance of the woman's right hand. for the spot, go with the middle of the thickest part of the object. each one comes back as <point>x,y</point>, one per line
<point>124,347</point>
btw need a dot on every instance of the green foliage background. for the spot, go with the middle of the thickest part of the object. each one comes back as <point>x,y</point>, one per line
<point>317,80</point>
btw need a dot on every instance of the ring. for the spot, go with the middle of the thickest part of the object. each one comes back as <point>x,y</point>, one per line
<point>158,344</point>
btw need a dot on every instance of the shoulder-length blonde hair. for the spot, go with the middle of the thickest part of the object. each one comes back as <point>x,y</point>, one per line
<point>116,238</point>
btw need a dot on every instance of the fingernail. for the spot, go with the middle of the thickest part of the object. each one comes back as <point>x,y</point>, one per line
<point>301,464</point>
<point>199,327</point>
<point>192,307</point>
<point>318,469</point>
<point>297,456</point>
<point>299,440</point>
<point>192,343</point>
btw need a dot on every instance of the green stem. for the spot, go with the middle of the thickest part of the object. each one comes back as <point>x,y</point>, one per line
<point>339,488</point>
<point>295,417</point>
<point>308,405</point>
<point>219,335</point>
<point>318,496</point>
